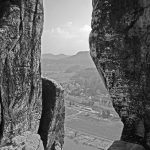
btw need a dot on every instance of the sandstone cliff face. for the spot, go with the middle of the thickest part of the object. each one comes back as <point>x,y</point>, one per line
<point>20,77</point>
<point>51,127</point>
<point>28,106</point>
<point>119,46</point>
<point>26,141</point>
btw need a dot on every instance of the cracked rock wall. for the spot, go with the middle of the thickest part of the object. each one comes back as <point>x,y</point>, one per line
<point>51,127</point>
<point>28,104</point>
<point>21,24</point>
<point>120,48</point>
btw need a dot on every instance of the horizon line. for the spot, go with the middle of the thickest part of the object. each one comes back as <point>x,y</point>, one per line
<point>63,53</point>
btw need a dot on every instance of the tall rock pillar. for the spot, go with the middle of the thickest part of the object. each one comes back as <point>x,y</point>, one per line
<point>21,23</point>
<point>120,48</point>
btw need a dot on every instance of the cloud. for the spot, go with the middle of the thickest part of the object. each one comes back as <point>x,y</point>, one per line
<point>69,24</point>
<point>63,33</point>
<point>70,31</point>
<point>85,28</point>
<point>68,37</point>
<point>58,41</point>
<point>60,32</point>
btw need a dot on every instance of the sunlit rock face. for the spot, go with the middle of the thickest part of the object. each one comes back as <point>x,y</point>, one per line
<point>32,110</point>
<point>26,141</point>
<point>21,23</point>
<point>51,127</point>
<point>120,48</point>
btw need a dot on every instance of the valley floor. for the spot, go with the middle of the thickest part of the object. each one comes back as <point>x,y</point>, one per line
<point>88,132</point>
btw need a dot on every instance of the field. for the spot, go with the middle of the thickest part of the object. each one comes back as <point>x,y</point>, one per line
<point>69,111</point>
<point>97,127</point>
<point>104,129</point>
<point>71,145</point>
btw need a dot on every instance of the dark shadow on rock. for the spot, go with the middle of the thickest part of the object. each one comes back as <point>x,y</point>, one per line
<point>122,145</point>
<point>48,103</point>
<point>1,119</point>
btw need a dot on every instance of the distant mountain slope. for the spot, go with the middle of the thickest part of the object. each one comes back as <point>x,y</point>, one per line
<point>52,56</point>
<point>79,68</point>
<point>81,58</point>
<point>86,73</point>
<point>75,68</point>
<point>53,62</point>
<point>89,79</point>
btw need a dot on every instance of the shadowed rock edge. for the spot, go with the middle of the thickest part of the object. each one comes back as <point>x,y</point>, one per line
<point>119,46</point>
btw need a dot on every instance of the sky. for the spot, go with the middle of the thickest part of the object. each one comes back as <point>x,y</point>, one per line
<point>66,26</point>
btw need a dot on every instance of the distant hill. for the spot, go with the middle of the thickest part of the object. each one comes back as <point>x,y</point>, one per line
<point>89,79</point>
<point>81,58</point>
<point>63,62</point>
<point>86,73</point>
<point>52,56</point>
<point>79,68</point>
<point>75,68</point>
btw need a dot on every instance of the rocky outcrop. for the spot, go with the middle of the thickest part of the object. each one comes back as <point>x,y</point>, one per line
<point>26,141</point>
<point>120,48</point>
<point>28,105</point>
<point>121,145</point>
<point>51,127</point>
<point>21,24</point>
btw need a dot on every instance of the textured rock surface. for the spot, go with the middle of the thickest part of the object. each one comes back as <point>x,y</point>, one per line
<point>21,23</point>
<point>27,141</point>
<point>27,105</point>
<point>120,47</point>
<point>53,114</point>
<point>121,145</point>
